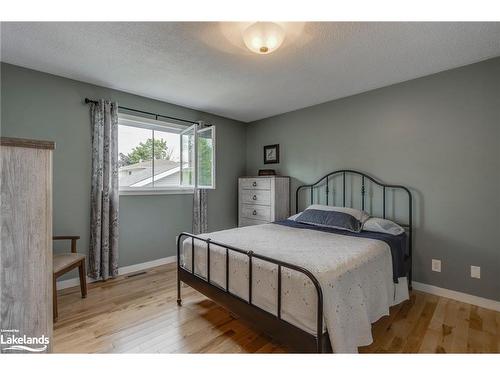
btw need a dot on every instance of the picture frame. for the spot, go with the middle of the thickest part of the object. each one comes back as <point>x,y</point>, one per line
<point>272,154</point>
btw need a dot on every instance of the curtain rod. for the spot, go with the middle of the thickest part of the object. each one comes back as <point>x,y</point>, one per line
<point>87,101</point>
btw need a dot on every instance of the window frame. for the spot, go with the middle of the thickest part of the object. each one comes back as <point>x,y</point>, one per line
<point>152,124</point>
<point>198,128</point>
<point>198,131</point>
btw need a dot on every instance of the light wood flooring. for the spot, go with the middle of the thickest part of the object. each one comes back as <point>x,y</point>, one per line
<point>139,314</point>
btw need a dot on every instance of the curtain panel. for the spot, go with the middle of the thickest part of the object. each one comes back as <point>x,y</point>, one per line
<point>103,252</point>
<point>200,222</point>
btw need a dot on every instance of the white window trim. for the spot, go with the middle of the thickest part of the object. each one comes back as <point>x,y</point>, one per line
<point>174,190</point>
<point>138,188</point>
<point>214,161</point>
<point>197,129</point>
<point>148,123</point>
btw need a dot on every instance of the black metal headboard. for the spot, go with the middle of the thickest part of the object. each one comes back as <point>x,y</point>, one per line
<point>326,181</point>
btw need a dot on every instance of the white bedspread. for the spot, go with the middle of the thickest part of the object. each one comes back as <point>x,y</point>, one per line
<point>355,275</point>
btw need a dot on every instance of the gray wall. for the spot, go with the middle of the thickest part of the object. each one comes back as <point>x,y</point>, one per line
<point>439,135</point>
<point>42,106</point>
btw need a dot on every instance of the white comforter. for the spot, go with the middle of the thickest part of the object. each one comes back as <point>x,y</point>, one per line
<point>355,275</point>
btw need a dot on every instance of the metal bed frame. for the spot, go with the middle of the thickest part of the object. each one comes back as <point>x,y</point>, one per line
<point>272,324</point>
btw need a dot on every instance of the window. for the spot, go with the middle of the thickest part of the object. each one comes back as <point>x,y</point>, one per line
<point>206,166</point>
<point>198,156</point>
<point>157,156</point>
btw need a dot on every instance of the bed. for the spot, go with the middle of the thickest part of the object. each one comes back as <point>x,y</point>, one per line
<point>312,289</point>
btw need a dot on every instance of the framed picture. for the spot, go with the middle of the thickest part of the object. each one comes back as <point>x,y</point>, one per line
<point>271,154</point>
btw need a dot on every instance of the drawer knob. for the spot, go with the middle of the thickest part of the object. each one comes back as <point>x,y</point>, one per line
<point>254,197</point>
<point>254,183</point>
<point>254,212</point>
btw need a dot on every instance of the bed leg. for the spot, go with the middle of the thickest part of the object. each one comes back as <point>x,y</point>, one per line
<point>178,240</point>
<point>179,299</point>
<point>410,287</point>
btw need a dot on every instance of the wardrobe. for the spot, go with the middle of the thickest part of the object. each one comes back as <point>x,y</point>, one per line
<point>26,247</point>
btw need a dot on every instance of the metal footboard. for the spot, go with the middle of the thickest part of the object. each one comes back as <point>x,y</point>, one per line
<point>183,274</point>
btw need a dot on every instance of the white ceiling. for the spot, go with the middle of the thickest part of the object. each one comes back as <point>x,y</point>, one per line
<point>205,65</point>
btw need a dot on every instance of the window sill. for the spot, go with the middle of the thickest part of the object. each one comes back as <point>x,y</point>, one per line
<point>165,191</point>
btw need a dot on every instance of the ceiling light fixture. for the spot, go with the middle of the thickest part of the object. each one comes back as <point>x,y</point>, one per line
<point>263,37</point>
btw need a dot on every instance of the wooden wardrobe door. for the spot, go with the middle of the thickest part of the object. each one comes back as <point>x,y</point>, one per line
<point>26,247</point>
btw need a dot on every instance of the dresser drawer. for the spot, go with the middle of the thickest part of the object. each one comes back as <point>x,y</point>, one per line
<point>256,183</point>
<point>244,222</point>
<point>256,212</point>
<point>262,197</point>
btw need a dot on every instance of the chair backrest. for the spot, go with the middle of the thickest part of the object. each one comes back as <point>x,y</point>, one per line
<point>72,238</point>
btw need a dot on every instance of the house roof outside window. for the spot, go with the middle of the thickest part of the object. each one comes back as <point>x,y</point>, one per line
<point>166,173</point>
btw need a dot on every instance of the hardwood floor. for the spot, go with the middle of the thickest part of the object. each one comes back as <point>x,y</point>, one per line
<point>139,314</point>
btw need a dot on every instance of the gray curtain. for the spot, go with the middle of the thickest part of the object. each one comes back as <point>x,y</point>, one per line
<point>103,252</point>
<point>200,222</point>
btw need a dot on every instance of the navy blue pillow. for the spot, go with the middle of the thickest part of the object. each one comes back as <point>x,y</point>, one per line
<point>330,219</point>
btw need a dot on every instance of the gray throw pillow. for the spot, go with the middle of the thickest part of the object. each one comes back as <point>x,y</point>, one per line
<point>330,219</point>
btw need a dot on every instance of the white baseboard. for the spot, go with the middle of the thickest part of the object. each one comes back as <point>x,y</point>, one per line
<point>146,265</point>
<point>459,296</point>
<point>63,284</point>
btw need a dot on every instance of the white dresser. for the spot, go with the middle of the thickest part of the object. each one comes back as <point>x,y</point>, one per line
<point>263,199</point>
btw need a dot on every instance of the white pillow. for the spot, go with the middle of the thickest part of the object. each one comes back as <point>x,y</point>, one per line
<point>377,224</point>
<point>293,217</point>
<point>359,215</point>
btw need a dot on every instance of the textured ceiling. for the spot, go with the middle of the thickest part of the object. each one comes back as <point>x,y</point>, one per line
<point>205,65</point>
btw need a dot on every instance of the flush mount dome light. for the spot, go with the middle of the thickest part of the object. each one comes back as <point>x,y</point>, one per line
<point>263,37</point>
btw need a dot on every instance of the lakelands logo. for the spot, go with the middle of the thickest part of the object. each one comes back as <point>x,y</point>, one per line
<point>18,342</point>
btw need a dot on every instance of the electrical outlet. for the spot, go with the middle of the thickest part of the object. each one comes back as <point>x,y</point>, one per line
<point>475,272</point>
<point>436,265</point>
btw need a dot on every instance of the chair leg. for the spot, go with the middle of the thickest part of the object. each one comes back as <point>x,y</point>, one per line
<point>83,279</point>
<point>54,299</point>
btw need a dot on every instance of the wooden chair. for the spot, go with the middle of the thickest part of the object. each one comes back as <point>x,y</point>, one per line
<point>63,263</point>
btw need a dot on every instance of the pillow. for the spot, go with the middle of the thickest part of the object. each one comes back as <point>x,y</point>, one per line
<point>293,217</point>
<point>358,214</point>
<point>343,218</point>
<point>377,224</point>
